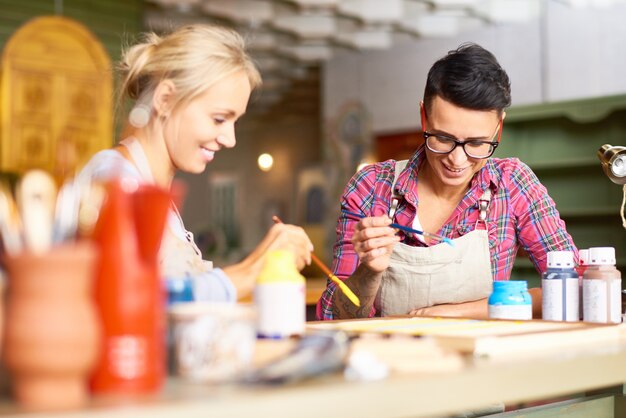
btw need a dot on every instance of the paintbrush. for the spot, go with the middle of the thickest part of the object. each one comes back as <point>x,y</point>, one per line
<point>344,287</point>
<point>10,222</point>
<point>36,196</point>
<point>436,237</point>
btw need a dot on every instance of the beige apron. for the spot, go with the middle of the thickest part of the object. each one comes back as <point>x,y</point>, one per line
<point>418,277</point>
<point>179,256</point>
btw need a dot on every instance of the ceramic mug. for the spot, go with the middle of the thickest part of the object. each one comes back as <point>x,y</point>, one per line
<point>213,342</point>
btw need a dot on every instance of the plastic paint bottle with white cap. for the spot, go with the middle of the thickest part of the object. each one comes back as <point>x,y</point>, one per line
<point>583,263</point>
<point>560,292</point>
<point>602,287</point>
<point>279,295</point>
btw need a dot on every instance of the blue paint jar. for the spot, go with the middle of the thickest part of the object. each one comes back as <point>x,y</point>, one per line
<point>179,289</point>
<point>510,300</point>
<point>560,288</point>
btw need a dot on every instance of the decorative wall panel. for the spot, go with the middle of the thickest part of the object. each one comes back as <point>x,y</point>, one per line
<point>56,94</point>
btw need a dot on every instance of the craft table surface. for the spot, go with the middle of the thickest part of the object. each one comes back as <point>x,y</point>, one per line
<point>480,382</point>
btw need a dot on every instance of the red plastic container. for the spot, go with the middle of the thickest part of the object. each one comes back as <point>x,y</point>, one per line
<point>129,294</point>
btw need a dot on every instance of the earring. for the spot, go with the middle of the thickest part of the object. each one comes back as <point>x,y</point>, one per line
<point>139,116</point>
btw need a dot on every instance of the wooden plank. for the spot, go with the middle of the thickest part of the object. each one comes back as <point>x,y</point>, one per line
<point>596,407</point>
<point>491,338</point>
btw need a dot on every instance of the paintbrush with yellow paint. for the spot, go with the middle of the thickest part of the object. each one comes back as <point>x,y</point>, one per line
<point>344,287</point>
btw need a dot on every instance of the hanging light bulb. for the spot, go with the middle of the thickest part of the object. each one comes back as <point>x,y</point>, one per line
<point>265,162</point>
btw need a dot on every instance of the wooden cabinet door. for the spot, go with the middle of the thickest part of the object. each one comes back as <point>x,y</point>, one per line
<point>56,95</point>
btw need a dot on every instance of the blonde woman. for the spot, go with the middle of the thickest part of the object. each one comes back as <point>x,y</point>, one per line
<point>189,88</point>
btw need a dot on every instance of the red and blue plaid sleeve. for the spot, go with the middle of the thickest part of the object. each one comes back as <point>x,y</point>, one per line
<point>359,197</point>
<point>539,226</point>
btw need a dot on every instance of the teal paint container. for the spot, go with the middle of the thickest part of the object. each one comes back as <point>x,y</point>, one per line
<point>510,300</point>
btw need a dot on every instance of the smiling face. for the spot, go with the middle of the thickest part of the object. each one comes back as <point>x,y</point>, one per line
<point>455,170</point>
<point>200,128</point>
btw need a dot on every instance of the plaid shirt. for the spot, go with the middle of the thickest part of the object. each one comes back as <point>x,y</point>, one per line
<point>520,213</point>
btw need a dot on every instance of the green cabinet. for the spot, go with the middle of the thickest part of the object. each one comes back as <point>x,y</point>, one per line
<point>559,142</point>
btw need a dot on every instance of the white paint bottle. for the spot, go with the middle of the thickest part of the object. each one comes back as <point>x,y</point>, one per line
<point>560,292</point>
<point>583,263</point>
<point>602,287</point>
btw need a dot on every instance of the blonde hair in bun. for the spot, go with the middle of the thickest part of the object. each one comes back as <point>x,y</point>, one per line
<point>193,57</point>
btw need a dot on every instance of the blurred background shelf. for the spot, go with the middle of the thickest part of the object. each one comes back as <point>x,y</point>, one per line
<point>559,141</point>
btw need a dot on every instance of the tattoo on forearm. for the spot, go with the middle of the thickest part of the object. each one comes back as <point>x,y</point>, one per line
<point>364,284</point>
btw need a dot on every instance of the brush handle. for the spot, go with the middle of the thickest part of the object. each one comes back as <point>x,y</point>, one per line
<point>10,225</point>
<point>405,228</point>
<point>344,287</point>
<point>36,201</point>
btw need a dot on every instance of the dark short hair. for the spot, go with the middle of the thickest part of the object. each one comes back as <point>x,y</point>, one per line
<point>469,77</point>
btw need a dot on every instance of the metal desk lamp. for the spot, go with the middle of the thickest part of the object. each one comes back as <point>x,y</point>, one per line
<point>613,160</point>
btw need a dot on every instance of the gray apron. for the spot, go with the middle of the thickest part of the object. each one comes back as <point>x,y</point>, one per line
<point>419,277</point>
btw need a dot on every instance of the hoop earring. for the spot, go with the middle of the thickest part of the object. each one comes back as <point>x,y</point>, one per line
<point>139,116</point>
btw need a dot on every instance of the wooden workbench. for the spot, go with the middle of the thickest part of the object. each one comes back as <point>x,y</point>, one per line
<point>480,382</point>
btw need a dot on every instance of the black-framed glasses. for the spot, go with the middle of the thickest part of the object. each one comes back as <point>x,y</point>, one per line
<point>443,144</point>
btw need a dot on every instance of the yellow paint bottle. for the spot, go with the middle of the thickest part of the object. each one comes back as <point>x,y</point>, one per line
<point>279,295</point>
